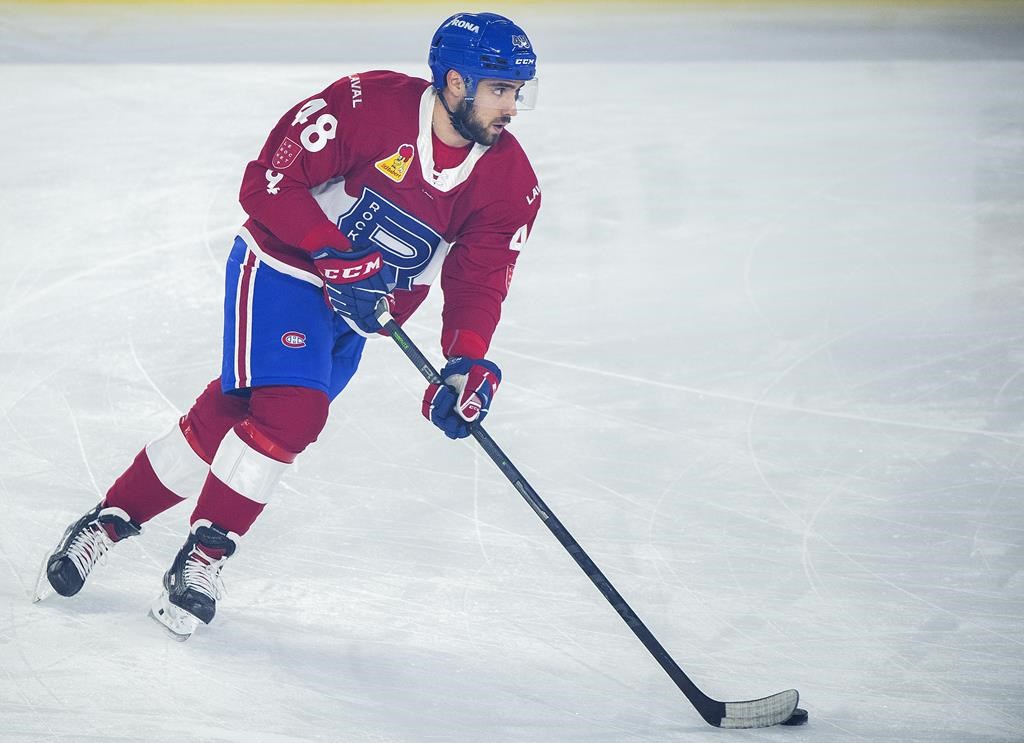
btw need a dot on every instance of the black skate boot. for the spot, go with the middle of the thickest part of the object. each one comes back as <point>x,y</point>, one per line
<point>84,544</point>
<point>193,585</point>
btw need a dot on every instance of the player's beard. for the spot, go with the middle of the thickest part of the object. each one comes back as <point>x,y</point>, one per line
<point>478,130</point>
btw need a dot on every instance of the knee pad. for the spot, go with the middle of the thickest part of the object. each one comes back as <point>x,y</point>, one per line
<point>286,417</point>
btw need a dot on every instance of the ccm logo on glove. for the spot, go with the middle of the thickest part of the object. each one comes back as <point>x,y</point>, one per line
<point>344,271</point>
<point>354,282</point>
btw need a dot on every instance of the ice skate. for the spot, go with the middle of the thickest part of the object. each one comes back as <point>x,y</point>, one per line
<point>85,543</point>
<point>193,584</point>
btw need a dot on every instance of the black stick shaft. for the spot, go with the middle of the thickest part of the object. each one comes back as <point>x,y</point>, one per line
<point>711,710</point>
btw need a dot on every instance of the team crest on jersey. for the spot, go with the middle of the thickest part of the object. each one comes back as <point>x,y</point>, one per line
<point>294,339</point>
<point>396,166</point>
<point>286,154</point>
<point>406,243</point>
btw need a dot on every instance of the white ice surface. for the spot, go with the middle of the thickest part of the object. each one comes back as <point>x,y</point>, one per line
<point>763,357</point>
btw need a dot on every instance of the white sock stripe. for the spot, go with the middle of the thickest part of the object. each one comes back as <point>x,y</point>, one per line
<point>175,463</point>
<point>246,471</point>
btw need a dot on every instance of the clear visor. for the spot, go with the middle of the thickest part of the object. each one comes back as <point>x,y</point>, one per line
<point>506,94</point>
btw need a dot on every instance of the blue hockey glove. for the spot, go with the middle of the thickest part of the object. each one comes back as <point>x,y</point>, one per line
<point>469,386</point>
<point>353,284</point>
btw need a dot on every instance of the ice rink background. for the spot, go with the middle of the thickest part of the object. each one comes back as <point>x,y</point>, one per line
<point>763,357</point>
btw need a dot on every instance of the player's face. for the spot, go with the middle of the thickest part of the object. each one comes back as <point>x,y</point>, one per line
<point>491,110</point>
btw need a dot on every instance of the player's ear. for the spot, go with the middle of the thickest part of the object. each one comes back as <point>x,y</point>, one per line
<point>455,83</point>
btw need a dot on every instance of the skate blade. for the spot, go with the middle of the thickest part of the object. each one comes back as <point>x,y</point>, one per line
<point>43,589</point>
<point>175,621</point>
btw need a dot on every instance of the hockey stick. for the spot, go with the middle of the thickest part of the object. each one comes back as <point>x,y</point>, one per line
<point>776,709</point>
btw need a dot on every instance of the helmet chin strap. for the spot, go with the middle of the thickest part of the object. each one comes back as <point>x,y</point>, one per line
<point>457,118</point>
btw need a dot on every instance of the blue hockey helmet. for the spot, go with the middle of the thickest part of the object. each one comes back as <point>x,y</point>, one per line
<point>481,45</point>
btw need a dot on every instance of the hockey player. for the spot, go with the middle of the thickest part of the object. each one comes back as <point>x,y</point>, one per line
<point>369,189</point>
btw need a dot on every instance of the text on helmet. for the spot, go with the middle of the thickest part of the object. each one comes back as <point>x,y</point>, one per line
<point>459,23</point>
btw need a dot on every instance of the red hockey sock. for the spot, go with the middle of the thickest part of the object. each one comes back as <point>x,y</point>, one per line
<point>244,471</point>
<point>139,493</point>
<point>225,507</point>
<point>252,455</point>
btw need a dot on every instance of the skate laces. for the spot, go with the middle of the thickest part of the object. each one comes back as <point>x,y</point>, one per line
<point>89,547</point>
<point>202,573</point>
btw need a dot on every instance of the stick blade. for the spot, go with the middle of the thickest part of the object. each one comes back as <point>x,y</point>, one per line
<point>760,713</point>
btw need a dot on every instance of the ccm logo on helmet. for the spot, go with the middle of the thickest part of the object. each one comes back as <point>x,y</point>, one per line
<point>526,61</point>
<point>459,23</point>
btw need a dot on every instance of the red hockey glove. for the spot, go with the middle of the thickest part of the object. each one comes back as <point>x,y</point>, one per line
<point>465,396</point>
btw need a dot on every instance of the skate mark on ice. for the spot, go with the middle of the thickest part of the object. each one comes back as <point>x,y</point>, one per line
<point>81,445</point>
<point>149,380</point>
<point>477,454</point>
<point>760,403</point>
<point>98,267</point>
<point>819,191</point>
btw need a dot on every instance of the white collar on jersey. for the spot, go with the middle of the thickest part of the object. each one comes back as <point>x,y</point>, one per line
<point>444,180</point>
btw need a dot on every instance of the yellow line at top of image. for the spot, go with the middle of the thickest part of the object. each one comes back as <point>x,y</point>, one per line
<point>554,4</point>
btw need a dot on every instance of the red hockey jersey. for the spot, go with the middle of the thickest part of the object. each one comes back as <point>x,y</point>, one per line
<point>355,163</point>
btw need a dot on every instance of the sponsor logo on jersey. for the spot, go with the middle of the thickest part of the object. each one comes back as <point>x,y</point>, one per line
<point>396,166</point>
<point>294,339</point>
<point>286,154</point>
